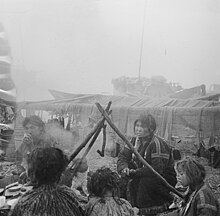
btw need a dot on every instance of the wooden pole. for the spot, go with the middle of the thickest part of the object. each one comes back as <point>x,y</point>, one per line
<point>92,132</point>
<point>140,158</point>
<point>102,152</point>
<point>75,169</point>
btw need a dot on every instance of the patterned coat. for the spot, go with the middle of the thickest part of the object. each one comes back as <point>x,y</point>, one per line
<point>48,200</point>
<point>201,203</point>
<point>145,189</point>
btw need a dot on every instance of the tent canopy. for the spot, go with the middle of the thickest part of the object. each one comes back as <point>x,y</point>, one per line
<point>175,117</point>
<point>66,103</point>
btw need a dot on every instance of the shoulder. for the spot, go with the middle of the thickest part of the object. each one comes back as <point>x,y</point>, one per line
<point>109,206</point>
<point>125,202</point>
<point>164,144</point>
<point>132,141</point>
<point>26,199</point>
<point>63,190</point>
<point>66,190</point>
<point>206,199</point>
<point>59,198</point>
<point>204,191</point>
<point>161,140</point>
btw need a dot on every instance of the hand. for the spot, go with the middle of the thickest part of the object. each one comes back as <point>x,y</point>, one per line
<point>136,210</point>
<point>131,172</point>
<point>27,138</point>
<point>125,172</point>
<point>23,177</point>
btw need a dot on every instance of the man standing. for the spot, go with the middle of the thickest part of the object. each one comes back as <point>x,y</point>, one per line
<point>145,188</point>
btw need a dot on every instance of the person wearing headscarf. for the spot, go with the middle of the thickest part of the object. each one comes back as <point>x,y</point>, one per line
<point>145,189</point>
<point>45,167</point>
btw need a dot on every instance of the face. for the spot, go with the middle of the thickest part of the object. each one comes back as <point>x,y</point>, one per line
<point>34,130</point>
<point>140,131</point>
<point>182,178</point>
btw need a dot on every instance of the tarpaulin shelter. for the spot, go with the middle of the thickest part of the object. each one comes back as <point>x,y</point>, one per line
<point>174,117</point>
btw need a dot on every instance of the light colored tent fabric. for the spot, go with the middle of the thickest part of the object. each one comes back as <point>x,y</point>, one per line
<point>67,103</point>
<point>170,114</point>
<point>175,118</point>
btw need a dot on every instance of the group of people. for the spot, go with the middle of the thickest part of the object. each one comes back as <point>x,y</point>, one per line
<point>144,193</point>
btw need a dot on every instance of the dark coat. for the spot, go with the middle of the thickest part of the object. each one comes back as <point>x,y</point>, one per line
<point>146,189</point>
<point>200,202</point>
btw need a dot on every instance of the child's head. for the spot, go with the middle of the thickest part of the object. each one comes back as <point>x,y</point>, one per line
<point>102,181</point>
<point>190,172</point>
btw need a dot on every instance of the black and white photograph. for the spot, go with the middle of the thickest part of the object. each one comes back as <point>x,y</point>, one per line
<point>109,108</point>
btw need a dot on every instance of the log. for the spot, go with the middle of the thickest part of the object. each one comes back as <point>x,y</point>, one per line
<point>102,152</point>
<point>88,137</point>
<point>140,158</point>
<point>75,169</point>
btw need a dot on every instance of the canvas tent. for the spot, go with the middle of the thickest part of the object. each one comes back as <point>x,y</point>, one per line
<point>174,117</point>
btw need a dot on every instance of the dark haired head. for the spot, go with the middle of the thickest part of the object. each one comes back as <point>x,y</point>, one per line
<point>45,165</point>
<point>35,120</point>
<point>147,121</point>
<point>194,170</point>
<point>104,179</point>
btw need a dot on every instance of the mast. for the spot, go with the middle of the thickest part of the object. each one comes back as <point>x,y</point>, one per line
<point>142,41</point>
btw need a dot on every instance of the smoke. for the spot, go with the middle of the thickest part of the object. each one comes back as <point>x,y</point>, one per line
<point>65,139</point>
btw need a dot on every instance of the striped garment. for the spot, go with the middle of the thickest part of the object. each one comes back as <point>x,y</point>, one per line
<point>48,200</point>
<point>144,190</point>
<point>201,202</point>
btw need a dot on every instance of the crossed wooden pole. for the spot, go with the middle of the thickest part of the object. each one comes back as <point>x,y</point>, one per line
<point>93,134</point>
<point>96,130</point>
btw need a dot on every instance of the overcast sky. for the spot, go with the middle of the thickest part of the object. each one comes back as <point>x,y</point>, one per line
<point>78,46</point>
